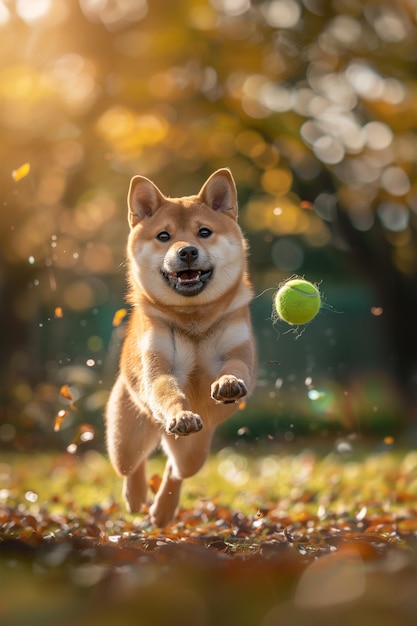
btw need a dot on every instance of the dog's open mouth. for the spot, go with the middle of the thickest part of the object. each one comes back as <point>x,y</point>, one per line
<point>188,282</point>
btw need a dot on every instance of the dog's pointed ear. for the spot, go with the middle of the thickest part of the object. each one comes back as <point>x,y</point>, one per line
<point>219,192</point>
<point>143,199</point>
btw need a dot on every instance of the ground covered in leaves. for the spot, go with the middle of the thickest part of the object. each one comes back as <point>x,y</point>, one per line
<point>260,540</point>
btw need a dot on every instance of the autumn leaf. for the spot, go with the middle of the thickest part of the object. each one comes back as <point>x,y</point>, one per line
<point>86,432</point>
<point>154,482</point>
<point>119,317</point>
<point>65,392</point>
<point>21,172</point>
<point>59,418</point>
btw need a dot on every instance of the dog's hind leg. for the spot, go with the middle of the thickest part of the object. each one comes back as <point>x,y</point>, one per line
<point>131,437</point>
<point>186,455</point>
<point>166,500</point>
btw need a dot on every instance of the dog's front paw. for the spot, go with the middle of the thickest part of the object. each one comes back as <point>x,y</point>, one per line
<point>185,423</point>
<point>228,389</point>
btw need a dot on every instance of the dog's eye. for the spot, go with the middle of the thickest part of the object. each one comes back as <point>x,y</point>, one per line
<point>164,236</point>
<point>204,233</point>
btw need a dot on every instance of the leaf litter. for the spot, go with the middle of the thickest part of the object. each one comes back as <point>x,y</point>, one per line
<point>350,546</point>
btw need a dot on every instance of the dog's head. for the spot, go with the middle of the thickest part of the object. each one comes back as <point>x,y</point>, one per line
<point>185,250</point>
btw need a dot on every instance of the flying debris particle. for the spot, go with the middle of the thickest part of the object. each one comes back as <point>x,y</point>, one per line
<point>31,496</point>
<point>58,312</point>
<point>65,392</point>
<point>343,447</point>
<point>389,440</point>
<point>59,418</point>
<point>321,512</point>
<point>86,433</point>
<point>21,172</point>
<point>119,317</point>
<point>377,311</point>
<point>360,516</point>
<point>154,482</point>
<point>244,430</point>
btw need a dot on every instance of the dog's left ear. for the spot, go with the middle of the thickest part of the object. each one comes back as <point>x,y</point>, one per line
<point>219,193</point>
<point>143,199</point>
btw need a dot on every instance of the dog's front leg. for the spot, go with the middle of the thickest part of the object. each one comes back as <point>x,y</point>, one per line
<point>169,405</point>
<point>236,377</point>
<point>164,382</point>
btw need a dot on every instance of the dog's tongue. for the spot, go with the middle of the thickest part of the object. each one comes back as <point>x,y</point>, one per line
<point>188,276</point>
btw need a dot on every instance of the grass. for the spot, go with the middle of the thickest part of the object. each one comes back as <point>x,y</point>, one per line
<point>296,537</point>
<point>304,480</point>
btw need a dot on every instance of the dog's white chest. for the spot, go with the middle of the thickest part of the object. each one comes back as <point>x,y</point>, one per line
<point>202,357</point>
<point>217,346</point>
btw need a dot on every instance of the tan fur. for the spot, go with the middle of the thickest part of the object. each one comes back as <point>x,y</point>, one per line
<point>187,358</point>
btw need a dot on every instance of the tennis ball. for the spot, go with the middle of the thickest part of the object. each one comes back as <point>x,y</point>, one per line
<point>297,301</point>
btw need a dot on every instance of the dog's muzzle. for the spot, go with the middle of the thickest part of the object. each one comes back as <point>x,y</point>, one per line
<point>189,282</point>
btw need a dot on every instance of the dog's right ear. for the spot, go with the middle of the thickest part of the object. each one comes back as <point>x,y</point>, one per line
<point>143,199</point>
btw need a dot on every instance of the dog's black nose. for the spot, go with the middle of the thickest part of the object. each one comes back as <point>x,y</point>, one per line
<point>188,254</point>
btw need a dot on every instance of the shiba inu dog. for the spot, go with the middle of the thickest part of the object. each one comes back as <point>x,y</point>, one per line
<point>188,355</point>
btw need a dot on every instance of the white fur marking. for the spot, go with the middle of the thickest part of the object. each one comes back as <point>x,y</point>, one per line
<point>177,349</point>
<point>234,335</point>
<point>214,349</point>
<point>183,359</point>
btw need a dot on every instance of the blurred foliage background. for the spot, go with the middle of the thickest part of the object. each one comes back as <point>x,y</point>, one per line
<point>313,106</point>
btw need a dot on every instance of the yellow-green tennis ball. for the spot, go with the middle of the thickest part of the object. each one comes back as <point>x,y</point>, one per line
<point>297,301</point>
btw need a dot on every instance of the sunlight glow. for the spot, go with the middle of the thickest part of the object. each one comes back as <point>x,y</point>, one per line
<point>32,10</point>
<point>114,14</point>
<point>281,13</point>
<point>4,14</point>
<point>231,7</point>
